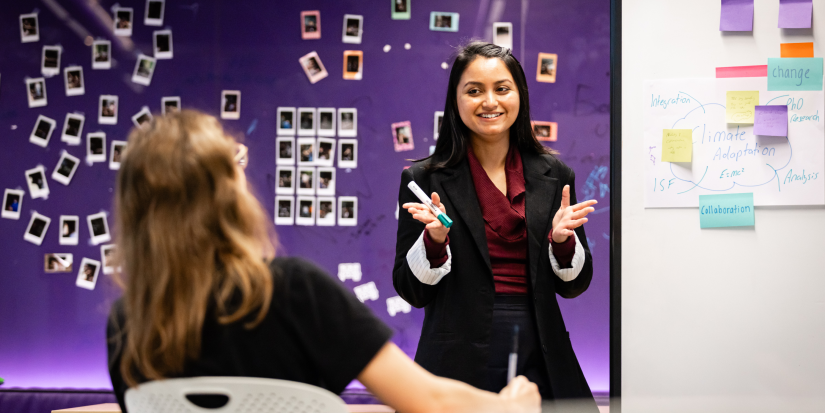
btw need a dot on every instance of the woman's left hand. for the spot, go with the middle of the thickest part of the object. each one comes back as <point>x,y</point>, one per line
<point>570,217</point>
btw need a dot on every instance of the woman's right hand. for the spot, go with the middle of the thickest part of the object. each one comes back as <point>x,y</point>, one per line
<point>438,232</point>
<point>521,396</point>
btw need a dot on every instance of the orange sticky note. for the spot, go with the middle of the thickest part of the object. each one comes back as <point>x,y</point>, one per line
<point>796,49</point>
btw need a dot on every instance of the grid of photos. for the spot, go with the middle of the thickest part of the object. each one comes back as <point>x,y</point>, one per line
<point>73,79</point>
<point>314,142</point>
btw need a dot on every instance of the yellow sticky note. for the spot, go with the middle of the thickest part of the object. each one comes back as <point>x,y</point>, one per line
<point>677,145</point>
<point>740,107</point>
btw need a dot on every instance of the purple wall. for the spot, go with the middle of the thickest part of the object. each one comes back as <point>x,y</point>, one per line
<point>52,333</point>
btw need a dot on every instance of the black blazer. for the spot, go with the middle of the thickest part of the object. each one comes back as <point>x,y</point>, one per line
<point>458,311</point>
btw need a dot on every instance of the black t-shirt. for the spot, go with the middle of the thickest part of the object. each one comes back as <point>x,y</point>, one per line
<point>315,332</point>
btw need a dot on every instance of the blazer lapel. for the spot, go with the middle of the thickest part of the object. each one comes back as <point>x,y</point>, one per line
<point>461,192</point>
<point>539,200</point>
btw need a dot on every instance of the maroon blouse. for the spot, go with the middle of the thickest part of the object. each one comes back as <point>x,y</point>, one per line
<point>505,227</point>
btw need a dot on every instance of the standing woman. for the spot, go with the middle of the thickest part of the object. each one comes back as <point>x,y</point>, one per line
<point>517,238</point>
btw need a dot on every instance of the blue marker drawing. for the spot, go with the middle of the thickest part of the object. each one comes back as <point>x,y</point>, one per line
<point>696,184</point>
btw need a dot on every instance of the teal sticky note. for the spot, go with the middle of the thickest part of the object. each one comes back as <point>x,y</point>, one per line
<point>794,73</point>
<point>726,210</point>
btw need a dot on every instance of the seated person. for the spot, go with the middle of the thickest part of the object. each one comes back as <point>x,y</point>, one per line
<point>203,295</point>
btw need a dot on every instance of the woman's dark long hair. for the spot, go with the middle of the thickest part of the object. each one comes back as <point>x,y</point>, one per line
<point>453,137</point>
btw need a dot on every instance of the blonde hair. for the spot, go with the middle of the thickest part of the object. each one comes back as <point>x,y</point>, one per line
<point>189,236</point>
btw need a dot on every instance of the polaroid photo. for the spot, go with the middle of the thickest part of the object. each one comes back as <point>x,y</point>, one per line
<point>306,121</point>
<point>73,128</point>
<point>36,231</point>
<point>29,29</point>
<point>326,122</point>
<point>163,44</point>
<point>326,152</point>
<point>42,131</point>
<point>347,211</point>
<point>144,69</point>
<point>307,151</point>
<point>73,76</point>
<point>142,118</point>
<point>545,131</point>
<point>36,179</point>
<point>65,169</point>
<point>87,276</point>
<point>313,67</point>
<point>325,211</point>
<point>12,203</point>
<point>353,64</point>
<point>306,211</point>
<point>347,122</point>
<point>123,21</point>
<point>107,257</point>
<point>116,154</point>
<point>108,110</point>
<point>98,228</point>
<point>400,9</point>
<point>402,136</point>
<point>325,184</point>
<point>286,151</point>
<point>286,180</point>
<point>311,24</point>
<point>169,104</point>
<point>101,54</point>
<point>69,229</point>
<point>347,153</point>
<point>284,211</point>
<point>443,21</point>
<point>437,119</point>
<point>546,71</point>
<point>503,34</point>
<point>55,263</point>
<point>353,28</point>
<point>96,147</point>
<point>286,121</point>
<point>230,104</point>
<point>154,13</point>
<point>36,91</point>
<point>50,64</point>
<point>306,181</point>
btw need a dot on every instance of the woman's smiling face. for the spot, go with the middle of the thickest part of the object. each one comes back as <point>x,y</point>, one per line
<point>487,99</point>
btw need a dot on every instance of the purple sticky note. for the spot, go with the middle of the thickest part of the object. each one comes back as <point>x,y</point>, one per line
<point>795,14</point>
<point>771,120</point>
<point>737,16</point>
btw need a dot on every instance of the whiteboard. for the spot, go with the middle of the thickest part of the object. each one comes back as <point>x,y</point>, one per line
<point>728,157</point>
<point>719,320</point>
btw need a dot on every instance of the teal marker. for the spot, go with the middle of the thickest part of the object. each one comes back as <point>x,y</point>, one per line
<point>445,220</point>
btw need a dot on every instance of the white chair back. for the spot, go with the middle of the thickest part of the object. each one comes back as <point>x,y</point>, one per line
<point>246,395</point>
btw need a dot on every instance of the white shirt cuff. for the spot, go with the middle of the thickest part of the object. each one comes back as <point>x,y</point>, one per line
<point>568,274</point>
<point>420,266</point>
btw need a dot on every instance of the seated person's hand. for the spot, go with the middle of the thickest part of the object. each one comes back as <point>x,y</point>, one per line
<point>522,396</point>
